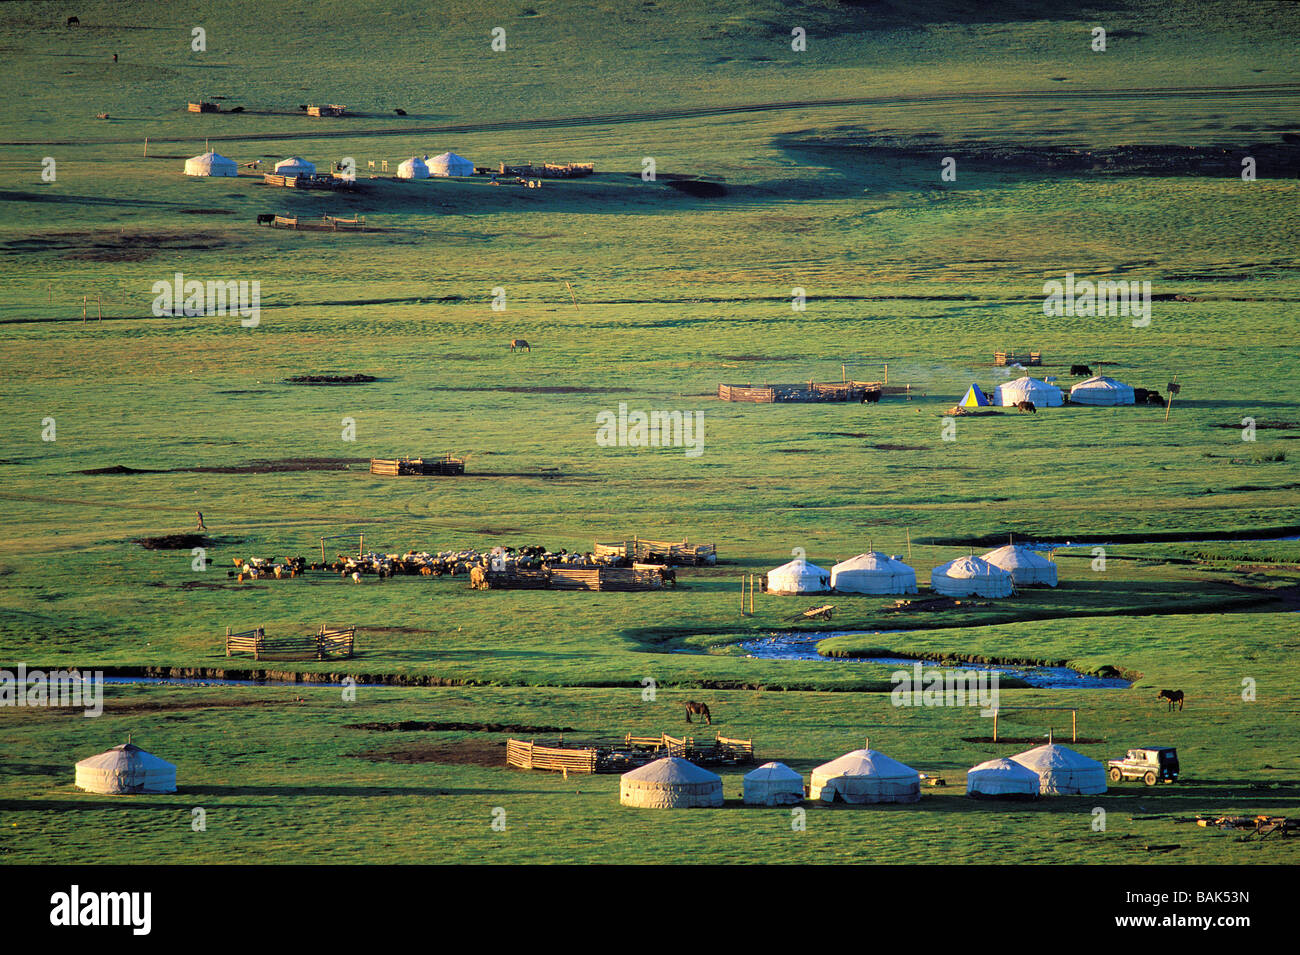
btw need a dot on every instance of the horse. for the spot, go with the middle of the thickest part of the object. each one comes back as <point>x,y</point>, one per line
<point>1024,406</point>
<point>1081,371</point>
<point>699,709</point>
<point>520,343</point>
<point>668,576</point>
<point>1172,696</point>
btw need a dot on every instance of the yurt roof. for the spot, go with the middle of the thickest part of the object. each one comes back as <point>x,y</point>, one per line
<point>1101,381</point>
<point>774,772</point>
<point>1016,555</point>
<point>448,158</point>
<point>866,762</point>
<point>1004,765</point>
<point>873,560</point>
<point>123,754</point>
<point>671,770</point>
<point>964,568</point>
<point>800,567</point>
<point>1054,756</point>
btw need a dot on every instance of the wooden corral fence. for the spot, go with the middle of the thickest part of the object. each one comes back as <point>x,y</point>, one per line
<point>527,755</point>
<point>668,553</point>
<point>333,109</point>
<point>1003,358</point>
<point>548,170</point>
<point>566,577</point>
<point>721,749</point>
<point>811,391</point>
<point>415,467</point>
<point>323,224</point>
<point>307,182</point>
<point>204,108</point>
<point>328,643</point>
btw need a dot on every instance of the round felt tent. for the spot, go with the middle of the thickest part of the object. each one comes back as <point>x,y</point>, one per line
<point>295,166</point>
<point>1063,772</point>
<point>670,783</point>
<point>449,164</point>
<point>865,776</point>
<point>211,164</point>
<point>1100,390</point>
<point>1026,566</point>
<point>873,573</point>
<point>413,168</point>
<point>1002,778</point>
<point>1039,392</point>
<point>124,770</point>
<point>773,784</point>
<point>970,577</point>
<point>798,577</point>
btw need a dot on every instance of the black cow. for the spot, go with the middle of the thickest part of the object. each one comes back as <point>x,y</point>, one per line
<point>1081,371</point>
<point>73,22</point>
<point>1024,406</point>
<point>871,397</point>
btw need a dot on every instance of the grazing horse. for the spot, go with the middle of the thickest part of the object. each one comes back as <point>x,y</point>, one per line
<point>668,576</point>
<point>1024,406</point>
<point>1081,371</point>
<point>1173,696</point>
<point>520,343</point>
<point>699,709</point>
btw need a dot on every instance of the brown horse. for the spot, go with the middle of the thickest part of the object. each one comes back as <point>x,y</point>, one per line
<point>1026,406</point>
<point>520,343</point>
<point>1172,696</point>
<point>699,709</point>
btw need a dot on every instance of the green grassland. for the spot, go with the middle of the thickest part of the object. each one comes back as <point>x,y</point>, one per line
<point>675,294</point>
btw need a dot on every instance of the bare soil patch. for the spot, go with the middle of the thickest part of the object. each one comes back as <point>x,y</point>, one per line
<point>283,465</point>
<point>175,541</point>
<point>331,379</point>
<point>422,726</point>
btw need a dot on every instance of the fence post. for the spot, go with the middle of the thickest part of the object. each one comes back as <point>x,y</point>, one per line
<point>227,639</point>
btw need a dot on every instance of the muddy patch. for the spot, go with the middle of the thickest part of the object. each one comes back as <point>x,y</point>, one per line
<point>422,726</point>
<point>117,246</point>
<point>331,379</point>
<point>535,389</point>
<point>898,447</point>
<point>175,541</point>
<point>699,188</point>
<point>469,752</point>
<point>284,465</point>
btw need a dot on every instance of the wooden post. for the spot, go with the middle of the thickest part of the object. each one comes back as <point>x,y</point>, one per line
<point>227,639</point>
<point>751,595</point>
<point>322,550</point>
<point>100,302</point>
<point>742,595</point>
<point>995,726</point>
<point>1171,400</point>
<point>908,531</point>
<point>1074,726</point>
<point>361,544</point>
<point>146,147</point>
<point>83,309</point>
<point>571,295</point>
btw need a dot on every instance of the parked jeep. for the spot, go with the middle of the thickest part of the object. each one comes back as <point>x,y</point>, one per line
<point>1151,764</point>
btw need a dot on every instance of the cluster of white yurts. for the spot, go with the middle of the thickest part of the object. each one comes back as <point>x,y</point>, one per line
<point>862,777</point>
<point>996,574</point>
<point>1097,390</point>
<point>417,167</point>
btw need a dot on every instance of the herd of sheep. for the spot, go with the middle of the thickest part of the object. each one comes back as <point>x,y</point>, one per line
<point>451,563</point>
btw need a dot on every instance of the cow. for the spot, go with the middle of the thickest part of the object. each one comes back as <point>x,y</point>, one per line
<point>400,112</point>
<point>871,397</point>
<point>1024,406</point>
<point>1081,371</point>
<point>521,344</point>
<point>699,709</point>
<point>1172,697</point>
<point>73,22</point>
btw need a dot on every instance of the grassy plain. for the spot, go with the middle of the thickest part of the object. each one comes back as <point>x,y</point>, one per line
<point>675,294</point>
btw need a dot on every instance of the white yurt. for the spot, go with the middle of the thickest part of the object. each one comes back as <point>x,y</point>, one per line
<point>798,577</point>
<point>773,784</point>
<point>670,783</point>
<point>1039,392</point>
<point>1003,778</point>
<point>413,168</point>
<point>1100,390</point>
<point>1063,772</point>
<point>864,776</point>
<point>449,164</point>
<point>295,166</point>
<point>1026,566</point>
<point>970,577</point>
<point>211,164</point>
<point>873,573</point>
<point>124,770</point>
